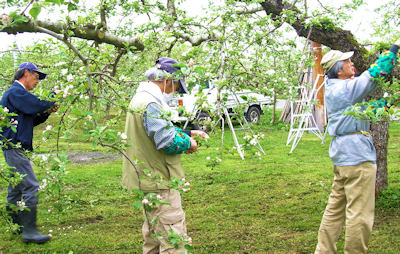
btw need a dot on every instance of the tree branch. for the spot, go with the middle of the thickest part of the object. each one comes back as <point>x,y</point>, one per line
<point>63,39</point>
<point>338,38</point>
<point>26,8</point>
<point>88,32</point>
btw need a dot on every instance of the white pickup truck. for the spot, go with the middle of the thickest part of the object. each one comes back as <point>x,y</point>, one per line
<point>253,104</point>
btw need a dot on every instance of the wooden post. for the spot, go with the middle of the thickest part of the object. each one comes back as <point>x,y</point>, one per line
<point>319,110</point>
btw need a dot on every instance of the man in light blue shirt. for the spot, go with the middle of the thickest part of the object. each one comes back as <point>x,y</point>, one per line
<point>352,200</point>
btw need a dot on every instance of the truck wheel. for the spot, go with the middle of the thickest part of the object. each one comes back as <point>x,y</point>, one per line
<point>253,114</point>
<point>202,122</point>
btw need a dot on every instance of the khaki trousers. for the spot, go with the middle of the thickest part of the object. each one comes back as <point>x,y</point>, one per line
<point>160,220</point>
<point>352,201</point>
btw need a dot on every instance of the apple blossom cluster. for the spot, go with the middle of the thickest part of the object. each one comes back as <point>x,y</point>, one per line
<point>150,199</point>
<point>253,140</point>
<point>21,204</point>
<point>44,185</point>
<point>66,90</point>
<point>5,110</point>
<point>6,18</point>
<point>124,137</point>
<point>48,128</point>
<point>14,122</point>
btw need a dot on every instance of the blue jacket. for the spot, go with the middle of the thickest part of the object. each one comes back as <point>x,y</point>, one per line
<point>31,112</point>
<point>340,95</point>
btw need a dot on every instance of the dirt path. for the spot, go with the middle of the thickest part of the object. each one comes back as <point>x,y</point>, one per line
<point>92,158</point>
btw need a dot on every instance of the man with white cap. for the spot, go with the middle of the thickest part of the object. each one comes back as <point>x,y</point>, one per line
<point>30,111</point>
<point>158,144</point>
<point>352,200</point>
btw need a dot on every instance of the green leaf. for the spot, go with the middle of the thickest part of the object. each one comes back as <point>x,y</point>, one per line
<point>72,7</point>
<point>58,2</point>
<point>137,205</point>
<point>35,10</point>
<point>19,19</point>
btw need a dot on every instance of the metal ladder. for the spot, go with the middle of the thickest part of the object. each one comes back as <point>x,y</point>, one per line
<point>302,118</point>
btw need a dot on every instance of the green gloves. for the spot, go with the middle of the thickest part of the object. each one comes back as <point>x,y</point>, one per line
<point>384,65</point>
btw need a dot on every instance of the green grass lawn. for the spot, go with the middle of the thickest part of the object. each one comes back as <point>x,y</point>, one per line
<point>268,205</point>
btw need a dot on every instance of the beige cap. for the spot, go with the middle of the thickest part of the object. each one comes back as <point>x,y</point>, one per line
<point>332,57</point>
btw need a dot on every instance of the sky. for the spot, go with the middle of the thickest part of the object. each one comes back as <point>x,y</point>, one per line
<point>358,25</point>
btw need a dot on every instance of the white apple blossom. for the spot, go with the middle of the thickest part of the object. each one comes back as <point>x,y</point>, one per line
<point>191,63</point>
<point>145,201</point>
<point>270,72</point>
<point>64,71</point>
<point>59,64</point>
<point>21,203</point>
<point>6,110</point>
<point>48,127</point>
<point>124,136</point>
<point>70,77</point>
<point>170,39</point>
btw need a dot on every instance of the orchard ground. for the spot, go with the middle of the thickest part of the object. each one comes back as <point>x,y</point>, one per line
<point>271,204</point>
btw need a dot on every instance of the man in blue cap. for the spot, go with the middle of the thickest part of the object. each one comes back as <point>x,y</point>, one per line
<point>158,144</point>
<point>30,111</point>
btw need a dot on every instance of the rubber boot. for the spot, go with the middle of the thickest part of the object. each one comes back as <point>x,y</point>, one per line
<point>29,231</point>
<point>15,219</point>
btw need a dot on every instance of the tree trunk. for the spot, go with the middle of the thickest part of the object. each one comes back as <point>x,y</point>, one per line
<point>274,109</point>
<point>380,135</point>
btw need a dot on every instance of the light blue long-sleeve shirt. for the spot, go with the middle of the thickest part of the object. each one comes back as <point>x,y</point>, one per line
<point>161,131</point>
<point>340,95</point>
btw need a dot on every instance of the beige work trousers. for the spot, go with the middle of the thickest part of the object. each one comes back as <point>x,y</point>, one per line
<point>163,218</point>
<point>352,201</point>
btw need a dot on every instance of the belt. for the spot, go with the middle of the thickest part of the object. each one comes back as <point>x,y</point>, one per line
<point>365,133</point>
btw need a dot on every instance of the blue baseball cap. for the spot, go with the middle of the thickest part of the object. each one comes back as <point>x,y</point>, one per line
<point>32,67</point>
<point>166,64</point>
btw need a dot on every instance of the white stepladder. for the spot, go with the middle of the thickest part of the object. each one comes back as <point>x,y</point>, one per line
<point>244,126</point>
<point>302,117</point>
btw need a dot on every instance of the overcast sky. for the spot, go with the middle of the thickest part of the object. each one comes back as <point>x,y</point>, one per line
<point>359,25</point>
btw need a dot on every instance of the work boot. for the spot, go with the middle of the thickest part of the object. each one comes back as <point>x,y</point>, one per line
<point>29,231</point>
<point>15,219</point>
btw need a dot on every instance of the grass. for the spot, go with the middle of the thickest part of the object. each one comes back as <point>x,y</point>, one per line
<point>268,205</point>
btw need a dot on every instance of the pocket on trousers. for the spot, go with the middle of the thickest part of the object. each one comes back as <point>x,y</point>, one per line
<point>173,213</point>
